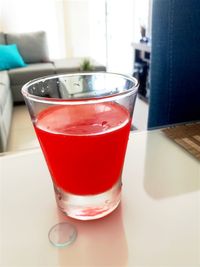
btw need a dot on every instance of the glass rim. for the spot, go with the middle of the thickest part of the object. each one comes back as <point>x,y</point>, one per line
<point>73,101</point>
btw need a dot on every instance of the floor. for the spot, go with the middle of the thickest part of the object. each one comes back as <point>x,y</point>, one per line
<point>22,135</point>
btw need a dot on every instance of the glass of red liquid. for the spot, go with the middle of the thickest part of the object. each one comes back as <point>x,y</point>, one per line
<point>82,122</point>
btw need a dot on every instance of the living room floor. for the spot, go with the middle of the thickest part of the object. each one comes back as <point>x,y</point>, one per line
<point>22,135</point>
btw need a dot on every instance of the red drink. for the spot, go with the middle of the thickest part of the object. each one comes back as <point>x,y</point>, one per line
<point>84,145</point>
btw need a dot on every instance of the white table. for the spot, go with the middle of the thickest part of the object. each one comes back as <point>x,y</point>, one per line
<point>157,223</point>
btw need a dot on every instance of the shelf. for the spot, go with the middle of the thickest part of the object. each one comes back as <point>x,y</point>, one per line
<point>142,47</point>
<point>141,64</point>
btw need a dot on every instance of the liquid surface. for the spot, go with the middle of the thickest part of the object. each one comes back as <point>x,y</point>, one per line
<point>84,145</point>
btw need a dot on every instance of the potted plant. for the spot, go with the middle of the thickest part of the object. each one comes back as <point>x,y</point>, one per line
<point>86,65</point>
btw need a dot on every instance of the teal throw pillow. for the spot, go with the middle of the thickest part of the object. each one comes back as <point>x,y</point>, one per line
<point>10,57</point>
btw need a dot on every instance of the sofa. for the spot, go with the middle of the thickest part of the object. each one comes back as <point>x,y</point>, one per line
<point>33,49</point>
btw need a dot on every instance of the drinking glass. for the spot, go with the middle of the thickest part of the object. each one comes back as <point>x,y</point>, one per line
<point>82,122</point>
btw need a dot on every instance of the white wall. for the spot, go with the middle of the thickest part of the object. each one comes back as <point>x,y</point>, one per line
<point>33,15</point>
<point>77,22</point>
<point>75,28</point>
<point>120,35</point>
<point>123,27</point>
<point>141,17</point>
<point>97,26</point>
<point>85,28</point>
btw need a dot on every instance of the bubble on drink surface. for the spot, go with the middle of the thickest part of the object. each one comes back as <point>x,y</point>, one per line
<point>104,123</point>
<point>62,234</point>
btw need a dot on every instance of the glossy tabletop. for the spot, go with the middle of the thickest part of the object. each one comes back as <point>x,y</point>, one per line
<point>156,224</point>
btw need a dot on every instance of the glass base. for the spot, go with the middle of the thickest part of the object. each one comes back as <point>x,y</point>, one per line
<point>88,207</point>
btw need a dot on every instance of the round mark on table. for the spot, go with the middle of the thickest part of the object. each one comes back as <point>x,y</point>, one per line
<point>62,234</point>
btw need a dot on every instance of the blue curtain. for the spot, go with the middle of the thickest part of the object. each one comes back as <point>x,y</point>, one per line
<point>175,63</point>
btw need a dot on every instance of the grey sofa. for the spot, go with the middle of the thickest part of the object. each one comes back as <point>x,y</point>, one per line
<point>33,49</point>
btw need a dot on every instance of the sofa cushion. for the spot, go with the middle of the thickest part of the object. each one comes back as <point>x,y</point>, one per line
<point>71,65</point>
<point>16,94</point>
<point>32,46</point>
<point>10,57</point>
<point>18,77</point>
<point>32,71</point>
<point>2,38</point>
